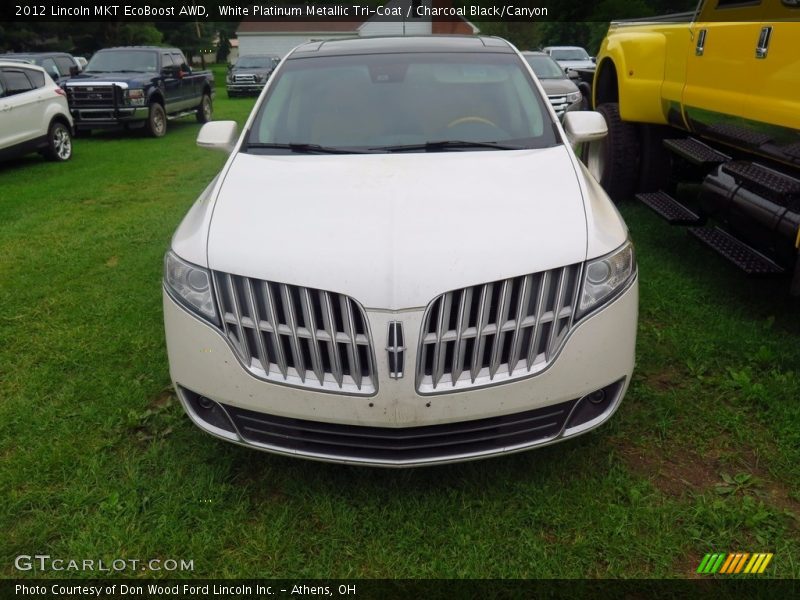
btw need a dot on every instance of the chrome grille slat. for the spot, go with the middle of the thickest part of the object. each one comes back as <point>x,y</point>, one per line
<point>333,344</point>
<point>263,357</point>
<point>276,329</point>
<point>311,327</point>
<point>483,318</point>
<point>533,348</point>
<point>461,325</point>
<point>502,318</point>
<point>291,334</point>
<point>496,331</point>
<point>516,340</point>
<point>352,347</point>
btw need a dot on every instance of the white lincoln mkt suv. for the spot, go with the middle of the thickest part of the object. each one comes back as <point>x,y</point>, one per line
<point>401,263</point>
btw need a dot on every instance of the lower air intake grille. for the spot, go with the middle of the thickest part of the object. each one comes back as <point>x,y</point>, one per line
<point>297,335</point>
<point>497,331</point>
<point>388,445</point>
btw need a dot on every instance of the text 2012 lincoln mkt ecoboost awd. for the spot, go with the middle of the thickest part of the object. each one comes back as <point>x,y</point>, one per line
<point>401,263</point>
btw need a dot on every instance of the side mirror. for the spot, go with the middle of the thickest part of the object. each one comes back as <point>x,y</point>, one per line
<point>74,70</point>
<point>593,59</point>
<point>221,135</point>
<point>584,126</point>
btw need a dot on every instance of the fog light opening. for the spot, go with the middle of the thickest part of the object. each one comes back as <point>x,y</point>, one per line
<point>597,397</point>
<point>592,408</point>
<point>209,412</point>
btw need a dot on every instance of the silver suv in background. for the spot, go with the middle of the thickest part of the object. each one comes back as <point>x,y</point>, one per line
<point>34,115</point>
<point>561,91</point>
<point>570,57</point>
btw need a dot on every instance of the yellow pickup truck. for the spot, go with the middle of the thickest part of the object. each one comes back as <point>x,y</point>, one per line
<point>714,95</point>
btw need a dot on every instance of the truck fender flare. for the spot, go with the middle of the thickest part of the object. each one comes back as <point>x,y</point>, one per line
<point>634,84</point>
<point>155,96</point>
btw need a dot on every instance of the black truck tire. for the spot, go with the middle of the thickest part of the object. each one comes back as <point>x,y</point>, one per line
<point>614,160</point>
<point>59,142</point>
<point>205,109</point>
<point>156,124</point>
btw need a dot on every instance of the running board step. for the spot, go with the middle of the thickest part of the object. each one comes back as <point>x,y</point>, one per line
<point>180,115</point>
<point>761,180</point>
<point>696,152</point>
<point>740,254</point>
<point>672,211</point>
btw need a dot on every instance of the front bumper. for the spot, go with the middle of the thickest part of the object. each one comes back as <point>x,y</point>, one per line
<point>599,354</point>
<point>245,88</point>
<point>109,117</point>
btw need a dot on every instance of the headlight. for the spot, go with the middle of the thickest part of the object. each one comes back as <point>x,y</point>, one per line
<point>190,285</point>
<point>259,77</point>
<point>607,276</point>
<point>573,97</point>
<point>135,97</point>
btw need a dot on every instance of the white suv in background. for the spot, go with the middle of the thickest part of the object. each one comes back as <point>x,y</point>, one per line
<point>401,263</point>
<point>34,115</point>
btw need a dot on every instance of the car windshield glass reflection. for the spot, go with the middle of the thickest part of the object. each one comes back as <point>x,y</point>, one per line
<point>402,102</point>
<point>135,62</point>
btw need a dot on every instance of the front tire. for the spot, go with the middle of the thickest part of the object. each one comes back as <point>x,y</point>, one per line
<point>205,110</point>
<point>614,160</point>
<point>156,125</point>
<point>59,142</point>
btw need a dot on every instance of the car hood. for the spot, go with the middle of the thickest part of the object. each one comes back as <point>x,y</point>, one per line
<point>558,86</point>
<point>132,79</point>
<point>395,230</point>
<point>576,64</point>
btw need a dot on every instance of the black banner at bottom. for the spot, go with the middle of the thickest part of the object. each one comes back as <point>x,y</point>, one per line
<point>417,589</point>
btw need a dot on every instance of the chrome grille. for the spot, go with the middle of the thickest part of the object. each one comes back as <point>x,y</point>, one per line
<point>497,331</point>
<point>89,96</point>
<point>297,335</point>
<point>244,78</point>
<point>560,103</point>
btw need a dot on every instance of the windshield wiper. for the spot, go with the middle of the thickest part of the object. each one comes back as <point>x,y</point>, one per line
<point>447,145</point>
<point>306,148</point>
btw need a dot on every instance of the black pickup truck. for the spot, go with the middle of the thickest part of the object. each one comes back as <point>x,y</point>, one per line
<point>138,86</point>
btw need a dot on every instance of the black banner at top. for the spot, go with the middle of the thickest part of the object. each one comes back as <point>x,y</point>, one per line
<point>519,11</point>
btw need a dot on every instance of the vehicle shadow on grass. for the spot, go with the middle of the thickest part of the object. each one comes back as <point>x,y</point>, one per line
<point>549,465</point>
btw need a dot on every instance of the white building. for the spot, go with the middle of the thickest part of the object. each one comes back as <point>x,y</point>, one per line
<point>277,37</point>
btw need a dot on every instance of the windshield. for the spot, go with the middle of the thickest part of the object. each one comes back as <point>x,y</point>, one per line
<point>402,102</point>
<point>256,62</point>
<point>570,54</point>
<point>545,67</point>
<point>136,61</point>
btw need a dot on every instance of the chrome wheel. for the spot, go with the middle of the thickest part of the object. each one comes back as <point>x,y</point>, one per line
<point>62,143</point>
<point>59,143</point>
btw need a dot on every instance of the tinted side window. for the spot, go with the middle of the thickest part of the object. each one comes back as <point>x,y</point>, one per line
<point>49,65</point>
<point>36,77</point>
<point>179,60</point>
<point>64,64</point>
<point>16,82</point>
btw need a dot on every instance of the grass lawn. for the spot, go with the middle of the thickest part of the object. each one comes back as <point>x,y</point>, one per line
<point>99,461</point>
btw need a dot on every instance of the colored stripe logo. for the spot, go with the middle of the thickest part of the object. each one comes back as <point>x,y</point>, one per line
<point>737,562</point>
